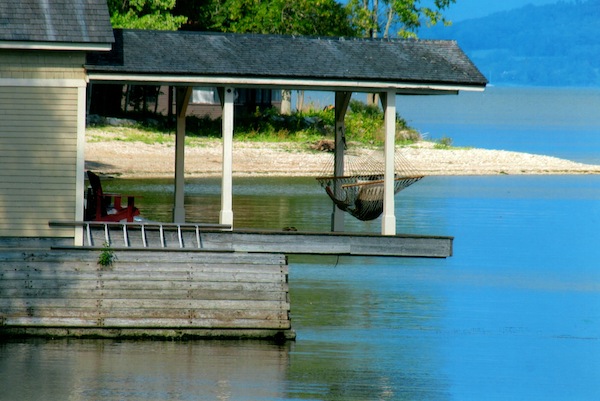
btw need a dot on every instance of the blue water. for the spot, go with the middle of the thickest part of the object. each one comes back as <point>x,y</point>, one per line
<point>559,122</point>
<point>514,314</point>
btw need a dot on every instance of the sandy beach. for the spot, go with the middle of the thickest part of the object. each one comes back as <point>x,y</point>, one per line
<point>133,159</point>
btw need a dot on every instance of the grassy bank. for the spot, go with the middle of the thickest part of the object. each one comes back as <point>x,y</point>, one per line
<point>364,125</point>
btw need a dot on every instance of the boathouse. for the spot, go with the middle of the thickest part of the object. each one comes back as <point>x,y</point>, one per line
<point>177,279</point>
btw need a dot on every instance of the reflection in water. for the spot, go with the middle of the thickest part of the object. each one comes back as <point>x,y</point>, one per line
<point>354,315</point>
<point>269,203</point>
<point>514,314</point>
<point>110,370</point>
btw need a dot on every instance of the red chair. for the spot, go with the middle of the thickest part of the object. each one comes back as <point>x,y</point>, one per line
<point>107,206</point>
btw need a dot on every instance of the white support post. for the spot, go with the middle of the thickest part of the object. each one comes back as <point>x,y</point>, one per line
<point>183,98</point>
<point>226,215</point>
<point>388,222</point>
<point>342,99</point>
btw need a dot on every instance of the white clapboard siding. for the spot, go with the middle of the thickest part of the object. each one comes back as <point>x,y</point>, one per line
<point>38,150</point>
<point>229,292</point>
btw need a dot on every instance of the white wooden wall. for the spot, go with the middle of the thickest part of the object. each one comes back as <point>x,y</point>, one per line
<point>42,134</point>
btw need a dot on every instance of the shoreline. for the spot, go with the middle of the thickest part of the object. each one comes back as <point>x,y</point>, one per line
<point>285,159</point>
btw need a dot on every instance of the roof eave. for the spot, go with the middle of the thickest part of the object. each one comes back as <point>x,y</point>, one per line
<point>288,83</point>
<point>69,46</point>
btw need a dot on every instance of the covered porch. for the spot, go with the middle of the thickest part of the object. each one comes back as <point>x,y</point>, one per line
<point>186,60</point>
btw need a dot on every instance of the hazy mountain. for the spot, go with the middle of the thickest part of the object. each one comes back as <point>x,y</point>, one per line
<point>468,9</point>
<point>546,45</point>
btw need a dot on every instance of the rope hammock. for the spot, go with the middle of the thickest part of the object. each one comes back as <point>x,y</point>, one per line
<point>360,190</point>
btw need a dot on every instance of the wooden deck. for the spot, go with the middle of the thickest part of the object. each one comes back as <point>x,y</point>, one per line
<point>214,237</point>
<point>170,280</point>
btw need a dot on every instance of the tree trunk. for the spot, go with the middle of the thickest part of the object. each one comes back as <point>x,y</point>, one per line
<point>388,24</point>
<point>373,98</point>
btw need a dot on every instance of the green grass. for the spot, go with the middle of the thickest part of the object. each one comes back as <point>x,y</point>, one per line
<point>445,143</point>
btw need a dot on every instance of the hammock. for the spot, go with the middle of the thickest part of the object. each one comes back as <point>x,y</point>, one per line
<point>360,190</point>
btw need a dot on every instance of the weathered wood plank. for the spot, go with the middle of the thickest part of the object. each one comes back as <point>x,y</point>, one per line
<point>215,276</point>
<point>297,242</point>
<point>157,313</point>
<point>153,285</point>
<point>149,257</point>
<point>132,268</point>
<point>39,294</point>
<point>332,243</point>
<point>182,333</point>
<point>149,323</point>
<point>144,303</point>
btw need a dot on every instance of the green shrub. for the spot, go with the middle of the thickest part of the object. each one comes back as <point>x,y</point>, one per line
<point>364,124</point>
<point>107,256</point>
<point>444,142</point>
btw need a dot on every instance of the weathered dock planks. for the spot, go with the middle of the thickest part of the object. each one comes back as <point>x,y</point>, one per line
<point>144,294</point>
<point>198,237</point>
<point>170,280</point>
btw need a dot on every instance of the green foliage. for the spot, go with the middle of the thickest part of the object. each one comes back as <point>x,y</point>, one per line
<point>107,256</point>
<point>378,18</point>
<point>444,142</point>
<point>144,14</point>
<point>299,17</point>
<point>364,124</point>
<point>271,126</point>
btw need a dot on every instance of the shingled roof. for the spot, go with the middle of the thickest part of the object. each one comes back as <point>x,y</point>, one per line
<point>236,57</point>
<point>55,21</point>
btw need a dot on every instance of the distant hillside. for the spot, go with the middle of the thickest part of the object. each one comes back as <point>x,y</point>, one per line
<point>550,45</point>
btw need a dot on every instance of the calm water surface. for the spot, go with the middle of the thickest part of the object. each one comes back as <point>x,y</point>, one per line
<point>514,314</point>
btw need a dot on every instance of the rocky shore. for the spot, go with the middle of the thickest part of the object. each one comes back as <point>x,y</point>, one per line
<point>136,159</point>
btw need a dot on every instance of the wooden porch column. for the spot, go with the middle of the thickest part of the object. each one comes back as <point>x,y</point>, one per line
<point>342,99</point>
<point>226,216</point>
<point>388,221</point>
<point>183,98</point>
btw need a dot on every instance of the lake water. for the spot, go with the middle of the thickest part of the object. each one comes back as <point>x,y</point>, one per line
<point>513,315</point>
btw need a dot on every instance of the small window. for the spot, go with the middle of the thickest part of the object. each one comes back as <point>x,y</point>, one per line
<point>205,96</point>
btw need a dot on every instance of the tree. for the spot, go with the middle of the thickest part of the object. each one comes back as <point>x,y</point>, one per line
<point>137,14</point>
<point>285,17</point>
<point>378,17</point>
<point>297,17</point>
<point>144,14</point>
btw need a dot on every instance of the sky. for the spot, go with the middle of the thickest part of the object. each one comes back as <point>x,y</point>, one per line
<point>467,9</point>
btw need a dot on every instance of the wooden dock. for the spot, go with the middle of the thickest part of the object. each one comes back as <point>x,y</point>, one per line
<point>170,280</point>
<point>203,237</point>
<point>144,294</point>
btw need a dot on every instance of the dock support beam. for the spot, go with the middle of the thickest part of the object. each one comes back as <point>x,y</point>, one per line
<point>388,221</point>
<point>342,100</point>
<point>183,98</point>
<point>227,97</point>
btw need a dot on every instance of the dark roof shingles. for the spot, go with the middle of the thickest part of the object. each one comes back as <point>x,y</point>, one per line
<point>272,56</point>
<point>68,21</point>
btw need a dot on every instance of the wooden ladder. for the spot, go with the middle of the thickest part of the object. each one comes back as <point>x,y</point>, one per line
<point>124,234</point>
